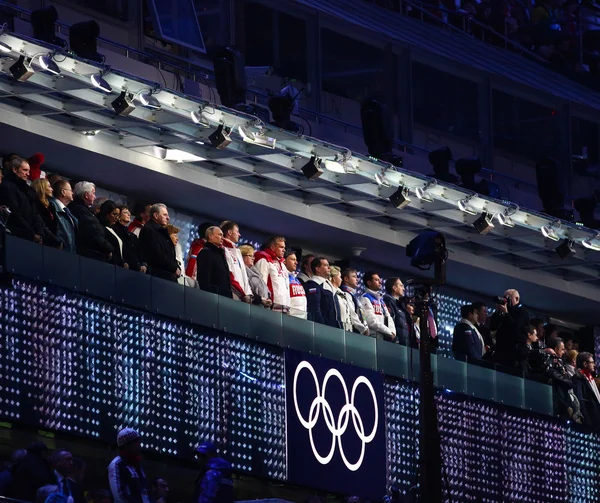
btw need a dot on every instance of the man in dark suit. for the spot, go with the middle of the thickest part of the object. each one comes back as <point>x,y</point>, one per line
<point>212,269</point>
<point>156,245</point>
<point>509,320</point>
<point>467,340</point>
<point>586,390</point>
<point>62,462</point>
<point>66,222</point>
<point>322,303</point>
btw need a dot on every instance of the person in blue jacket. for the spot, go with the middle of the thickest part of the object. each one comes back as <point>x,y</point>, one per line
<point>322,303</point>
<point>467,340</point>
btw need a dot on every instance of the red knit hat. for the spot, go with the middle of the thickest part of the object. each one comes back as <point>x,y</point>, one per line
<point>35,163</point>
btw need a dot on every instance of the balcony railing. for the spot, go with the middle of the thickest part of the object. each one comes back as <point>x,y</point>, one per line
<point>163,298</point>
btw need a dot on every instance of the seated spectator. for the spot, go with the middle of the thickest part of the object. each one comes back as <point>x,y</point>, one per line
<point>157,246</point>
<point>46,212</point>
<point>305,271</point>
<point>570,361</point>
<point>91,236</point>
<point>126,477</point>
<point>32,472</point>
<point>466,340</point>
<point>213,273</point>
<point>525,345</point>
<point>195,247</point>
<point>393,299</point>
<point>237,270</point>
<point>108,217</point>
<point>260,291</point>
<point>19,197</point>
<point>142,215</point>
<point>62,462</point>
<point>348,288</point>
<point>298,304</point>
<point>174,235</point>
<point>132,252</point>
<point>381,325</point>
<point>586,390</point>
<point>335,277</point>
<point>269,262</point>
<point>66,223</point>
<point>322,302</point>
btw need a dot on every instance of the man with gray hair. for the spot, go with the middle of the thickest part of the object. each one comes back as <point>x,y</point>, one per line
<point>156,244</point>
<point>213,271</point>
<point>91,238</point>
<point>19,197</point>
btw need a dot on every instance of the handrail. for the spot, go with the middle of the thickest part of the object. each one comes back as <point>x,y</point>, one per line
<point>208,79</point>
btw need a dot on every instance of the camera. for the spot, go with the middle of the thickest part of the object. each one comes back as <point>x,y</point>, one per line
<point>502,300</point>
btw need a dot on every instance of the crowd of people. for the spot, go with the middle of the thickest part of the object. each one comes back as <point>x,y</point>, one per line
<point>562,32</point>
<point>510,338</point>
<point>37,475</point>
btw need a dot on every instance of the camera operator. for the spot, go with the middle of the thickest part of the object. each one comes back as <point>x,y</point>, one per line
<point>508,321</point>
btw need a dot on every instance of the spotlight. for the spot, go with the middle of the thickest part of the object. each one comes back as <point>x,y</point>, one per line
<point>440,160</point>
<point>590,245</point>
<point>198,118</point>
<point>423,194</point>
<point>123,104</point>
<point>334,167</point>
<point>83,40</point>
<point>5,48</point>
<point>47,63</point>
<point>22,70</point>
<point>312,169</point>
<point>43,22</point>
<point>550,189</point>
<point>281,109</point>
<point>381,179</point>
<point>505,220</point>
<point>565,248</point>
<point>400,198</point>
<point>427,249</point>
<point>259,138</point>
<point>484,223</point>
<point>99,82</point>
<point>149,101</point>
<point>372,116</point>
<point>463,205</point>
<point>220,138</point>
<point>549,232</point>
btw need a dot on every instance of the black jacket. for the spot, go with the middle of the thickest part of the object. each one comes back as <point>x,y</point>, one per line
<point>91,236</point>
<point>31,473</point>
<point>48,217</point>
<point>117,256</point>
<point>322,305</point>
<point>402,320</point>
<point>159,250</point>
<point>24,221</point>
<point>465,341</point>
<point>73,489</point>
<point>132,253</point>
<point>509,328</point>
<point>590,407</point>
<point>213,272</point>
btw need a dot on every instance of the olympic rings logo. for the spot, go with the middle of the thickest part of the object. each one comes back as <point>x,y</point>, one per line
<point>348,410</point>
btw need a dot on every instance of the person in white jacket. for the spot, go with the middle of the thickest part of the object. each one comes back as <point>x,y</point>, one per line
<point>297,293</point>
<point>240,286</point>
<point>269,262</point>
<point>381,324</point>
<point>335,276</point>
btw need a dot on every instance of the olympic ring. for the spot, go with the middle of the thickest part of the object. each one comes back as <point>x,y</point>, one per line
<point>336,430</point>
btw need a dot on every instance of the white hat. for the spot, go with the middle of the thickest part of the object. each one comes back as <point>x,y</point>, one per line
<point>126,436</point>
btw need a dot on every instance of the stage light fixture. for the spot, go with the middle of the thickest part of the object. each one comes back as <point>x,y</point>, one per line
<point>423,194</point>
<point>83,40</point>
<point>21,69</point>
<point>590,244</point>
<point>220,138</point>
<point>149,101</point>
<point>550,189</point>
<point>123,104</point>
<point>334,167</point>
<point>549,232</point>
<point>381,178</point>
<point>440,161</point>
<point>484,223</point>
<point>464,206</point>
<point>256,138</point>
<point>400,198</point>
<point>43,22</point>
<point>566,248</point>
<point>198,117</point>
<point>5,48</point>
<point>99,82</point>
<point>47,63</point>
<point>505,220</point>
<point>312,169</point>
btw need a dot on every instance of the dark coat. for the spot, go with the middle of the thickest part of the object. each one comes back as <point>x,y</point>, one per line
<point>159,250</point>
<point>66,227</point>
<point>29,475</point>
<point>91,238</point>
<point>322,305</point>
<point>466,342</point>
<point>73,489</point>
<point>508,328</point>
<point>402,321</point>
<point>212,270</point>
<point>117,256</point>
<point>132,253</point>
<point>24,221</point>
<point>590,407</point>
<point>48,216</point>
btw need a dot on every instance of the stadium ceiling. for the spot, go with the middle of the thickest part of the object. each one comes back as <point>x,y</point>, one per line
<point>359,187</point>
